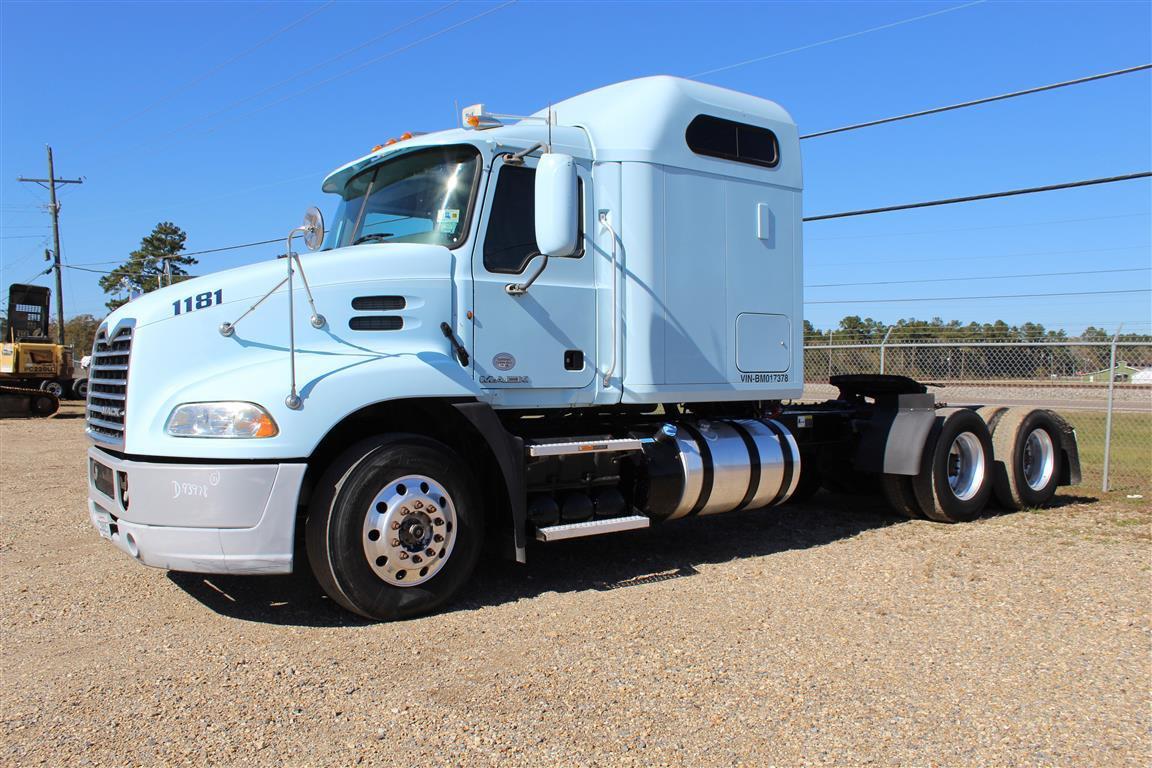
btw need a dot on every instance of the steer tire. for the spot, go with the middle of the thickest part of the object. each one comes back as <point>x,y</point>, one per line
<point>371,523</point>
<point>1021,437</point>
<point>900,496</point>
<point>939,499</point>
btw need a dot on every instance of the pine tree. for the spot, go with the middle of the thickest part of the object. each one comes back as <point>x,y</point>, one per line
<point>145,269</point>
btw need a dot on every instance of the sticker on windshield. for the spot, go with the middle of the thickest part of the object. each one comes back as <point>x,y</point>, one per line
<point>448,219</point>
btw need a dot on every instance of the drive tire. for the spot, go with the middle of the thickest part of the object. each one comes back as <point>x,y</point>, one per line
<point>80,389</point>
<point>809,483</point>
<point>338,519</point>
<point>1021,437</point>
<point>900,496</point>
<point>958,446</point>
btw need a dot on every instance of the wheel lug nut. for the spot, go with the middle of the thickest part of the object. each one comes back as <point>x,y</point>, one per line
<point>395,542</point>
<point>438,538</point>
<point>416,559</point>
<point>430,552</point>
<point>418,504</point>
<point>430,509</point>
<point>395,525</point>
<point>438,521</point>
<point>403,555</point>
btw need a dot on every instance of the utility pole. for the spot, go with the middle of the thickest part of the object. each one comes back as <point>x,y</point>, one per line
<point>54,208</point>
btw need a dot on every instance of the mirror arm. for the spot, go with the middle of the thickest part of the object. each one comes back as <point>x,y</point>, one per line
<point>519,289</point>
<point>517,158</point>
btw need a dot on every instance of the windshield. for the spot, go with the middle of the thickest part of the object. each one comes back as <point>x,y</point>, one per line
<point>421,197</point>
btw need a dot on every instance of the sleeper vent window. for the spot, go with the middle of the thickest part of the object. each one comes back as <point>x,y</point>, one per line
<point>727,139</point>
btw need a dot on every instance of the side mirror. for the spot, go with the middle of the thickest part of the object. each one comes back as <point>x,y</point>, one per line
<point>556,205</point>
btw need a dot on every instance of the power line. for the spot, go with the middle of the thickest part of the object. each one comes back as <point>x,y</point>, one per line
<point>835,39</point>
<point>1001,256</point>
<point>986,196</point>
<point>234,247</point>
<point>972,298</point>
<point>324,63</point>
<point>978,229</point>
<point>975,102</point>
<point>85,269</point>
<point>980,277</point>
<point>370,62</point>
<point>172,93</point>
<point>301,73</point>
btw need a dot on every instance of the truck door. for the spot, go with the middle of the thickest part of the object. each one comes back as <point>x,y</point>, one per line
<point>544,339</point>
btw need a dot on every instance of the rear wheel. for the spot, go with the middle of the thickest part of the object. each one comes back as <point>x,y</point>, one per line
<point>1027,445</point>
<point>954,482</point>
<point>80,389</point>
<point>53,387</point>
<point>900,496</point>
<point>394,529</point>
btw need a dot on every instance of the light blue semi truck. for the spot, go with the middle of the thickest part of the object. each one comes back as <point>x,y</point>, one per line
<point>574,323</point>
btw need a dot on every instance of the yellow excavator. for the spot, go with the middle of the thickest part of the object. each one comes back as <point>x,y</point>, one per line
<point>34,372</point>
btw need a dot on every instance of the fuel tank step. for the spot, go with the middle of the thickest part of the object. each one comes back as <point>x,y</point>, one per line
<point>591,528</point>
<point>586,446</point>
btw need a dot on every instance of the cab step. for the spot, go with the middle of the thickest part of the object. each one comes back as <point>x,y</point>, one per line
<point>592,528</point>
<point>587,446</point>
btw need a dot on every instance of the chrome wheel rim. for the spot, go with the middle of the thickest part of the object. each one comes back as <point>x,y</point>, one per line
<point>409,530</point>
<point>1038,459</point>
<point>965,466</point>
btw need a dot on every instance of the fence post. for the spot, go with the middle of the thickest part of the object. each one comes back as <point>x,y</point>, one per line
<point>1108,418</point>
<point>882,343</point>
<point>830,335</point>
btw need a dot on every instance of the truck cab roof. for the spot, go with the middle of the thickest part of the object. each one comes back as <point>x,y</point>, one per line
<point>640,120</point>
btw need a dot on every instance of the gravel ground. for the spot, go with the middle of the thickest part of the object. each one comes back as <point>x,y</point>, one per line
<point>828,633</point>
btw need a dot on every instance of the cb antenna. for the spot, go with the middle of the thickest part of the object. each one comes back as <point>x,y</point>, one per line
<point>549,126</point>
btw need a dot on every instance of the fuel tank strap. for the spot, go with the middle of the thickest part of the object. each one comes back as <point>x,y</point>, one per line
<point>789,460</point>
<point>753,464</point>
<point>707,471</point>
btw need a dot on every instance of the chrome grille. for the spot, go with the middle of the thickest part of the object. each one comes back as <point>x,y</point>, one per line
<point>108,386</point>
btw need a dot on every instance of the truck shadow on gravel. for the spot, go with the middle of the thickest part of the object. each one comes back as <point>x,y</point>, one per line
<point>619,561</point>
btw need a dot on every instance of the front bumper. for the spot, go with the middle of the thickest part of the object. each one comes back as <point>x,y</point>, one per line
<point>204,518</point>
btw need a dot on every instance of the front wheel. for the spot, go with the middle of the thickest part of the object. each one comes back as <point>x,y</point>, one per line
<point>395,527</point>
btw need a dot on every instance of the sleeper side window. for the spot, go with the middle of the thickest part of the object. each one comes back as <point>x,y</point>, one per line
<point>510,241</point>
<point>727,139</point>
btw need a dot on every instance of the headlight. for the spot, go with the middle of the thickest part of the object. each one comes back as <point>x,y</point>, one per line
<point>220,420</point>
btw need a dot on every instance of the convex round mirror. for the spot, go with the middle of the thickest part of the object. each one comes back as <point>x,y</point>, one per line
<point>313,228</point>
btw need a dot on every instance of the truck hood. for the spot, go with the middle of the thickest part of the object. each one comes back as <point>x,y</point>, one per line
<point>240,287</point>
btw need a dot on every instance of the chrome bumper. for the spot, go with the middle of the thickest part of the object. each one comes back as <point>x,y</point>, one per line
<point>205,518</point>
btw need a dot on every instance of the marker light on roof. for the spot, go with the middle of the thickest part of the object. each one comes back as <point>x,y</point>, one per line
<point>405,135</point>
<point>475,117</point>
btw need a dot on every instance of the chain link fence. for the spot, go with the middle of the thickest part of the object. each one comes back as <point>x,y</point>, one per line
<point>1104,388</point>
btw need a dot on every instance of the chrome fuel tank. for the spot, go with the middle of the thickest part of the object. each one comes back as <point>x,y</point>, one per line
<point>709,467</point>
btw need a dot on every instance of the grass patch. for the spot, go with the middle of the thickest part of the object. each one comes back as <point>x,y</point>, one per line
<point>1131,453</point>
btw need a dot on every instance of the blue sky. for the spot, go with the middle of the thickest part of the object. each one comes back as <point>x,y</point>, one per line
<point>216,117</point>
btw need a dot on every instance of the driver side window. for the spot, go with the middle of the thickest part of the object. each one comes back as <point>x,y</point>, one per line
<point>510,240</point>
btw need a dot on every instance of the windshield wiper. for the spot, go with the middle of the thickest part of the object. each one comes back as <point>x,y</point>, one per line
<point>372,237</point>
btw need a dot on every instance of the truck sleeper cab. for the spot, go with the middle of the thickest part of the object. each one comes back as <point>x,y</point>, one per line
<point>578,323</point>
